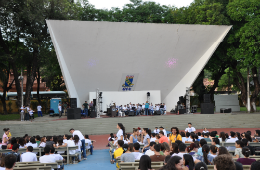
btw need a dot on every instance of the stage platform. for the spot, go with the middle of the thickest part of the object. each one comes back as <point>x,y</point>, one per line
<point>97,126</point>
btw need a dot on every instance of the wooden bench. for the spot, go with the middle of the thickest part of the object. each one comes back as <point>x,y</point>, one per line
<point>135,165</point>
<point>52,165</point>
<point>245,167</point>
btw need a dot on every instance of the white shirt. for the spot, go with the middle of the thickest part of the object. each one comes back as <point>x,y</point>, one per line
<point>31,112</point>
<point>71,143</point>
<point>88,141</point>
<point>165,133</point>
<point>39,108</point>
<point>43,144</point>
<point>34,145</point>
<point>157,108</point>
<point>181,155</point>
<point>149,152</point>
<point>205,131</point>
<point>143,106</point>
<point>22,110</point>
<point>137,155</point>
<point>47,159</point>
<point>2,168</point>
<point>58,157</point>
<point>77,132</point>
<point>119,134</point>
<point>186,139</point>
<point>152,139</point>
<point>65,140</point>
<point>156,131</point>
<point>164,107</point>
<point>79,144</point>
<point>59,107</point>
<point>124,108</point>
<point>28,157</point>
<point>231,140</point>
<point>192,129</point>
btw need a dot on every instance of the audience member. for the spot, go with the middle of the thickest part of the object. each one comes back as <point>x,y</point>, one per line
<point>239,166</point>
<point>201,166</point>
<point>57,156</point>
<point>215,141</point>
<point>81,138</point>
<point>163,138</point>
<point>190,129</point>
<point>145,163</point>
<point>29,156</point>
<point>206,158</point>
<point>188,161</point>
<point>15,152</point>
<point>167,158</point>
<point>136,152</point>
<point>157,156</point>
<point>150,152</point>
<point>165,148</point>
<point>251,148</point>
<point>222,150</point>
<point>222,137</point>
<point>187,138</point>
<point>47,158</point>
<point>174,163</point>
<point>134,137</point>
<point>89,142</point>
<point>79,144</point>
<point>246,160</point>
<point>145,138</point>
<point>156,130</point>
<point>21,143</point>
<point>224,162</point>
<point>10,161</point>
<point>153,138</point>
<point>232,140</point>
<point>193,149</point>
<point>118,152</point>
<point>174,148</point>
<point>5,138</point>
<point>213,150</point>
<point>127,156</point>
<point>238,151</point>
<point>255,165</point>
<point>206,137</point>
<point>202,142</point>
<point>121,131</point>
<point>164,131</point>
<point>175,135</point>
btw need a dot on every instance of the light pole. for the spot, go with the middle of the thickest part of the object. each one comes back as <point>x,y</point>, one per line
<point>21,79</point>
<point>248,92</point>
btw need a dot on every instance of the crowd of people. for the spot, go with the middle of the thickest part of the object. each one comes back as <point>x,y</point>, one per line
<point>172,149</point>
<point>49,145</point>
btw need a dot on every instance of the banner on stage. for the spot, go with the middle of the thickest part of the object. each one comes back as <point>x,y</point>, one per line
<point>128,82</point>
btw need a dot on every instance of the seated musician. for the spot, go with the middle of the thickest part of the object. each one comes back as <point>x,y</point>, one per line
<point>133,108</point>
<point>138,109</point>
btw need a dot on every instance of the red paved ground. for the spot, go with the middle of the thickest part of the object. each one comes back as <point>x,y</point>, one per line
<point>102,140</point>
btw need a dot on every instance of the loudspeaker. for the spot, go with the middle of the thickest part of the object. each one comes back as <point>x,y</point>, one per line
<point>157,112</point>
<point>131,113</point>
<point>182,111</point>
<point>94,102</point>
<point>70,113</point>
<point>148,93</point>
<point>93,114</point>
<point>206,98</point>
<point>181,99</point>
<point>77,113</point>
<point>207,108</point>
<point>73,102</point>
<point>74,113</point>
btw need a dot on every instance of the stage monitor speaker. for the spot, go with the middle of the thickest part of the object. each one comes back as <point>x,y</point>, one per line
<point>207,108</point>
<point>131,113</point>
<point>93,114</point>
<point>94,102</point>
<point>182,111</point>
<point>206,98</point>
<point>113,111</point>
<point>70,113</point>
<point>157,112</point>
<point>73,102</point>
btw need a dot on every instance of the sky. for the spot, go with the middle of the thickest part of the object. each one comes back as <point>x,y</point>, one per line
<point>101,4</point>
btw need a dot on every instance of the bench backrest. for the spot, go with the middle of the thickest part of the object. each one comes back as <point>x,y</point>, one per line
<point>245,167</point>
<point>34,168</point>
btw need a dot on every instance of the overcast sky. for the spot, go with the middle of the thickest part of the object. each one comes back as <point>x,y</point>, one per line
<point>101,4</point>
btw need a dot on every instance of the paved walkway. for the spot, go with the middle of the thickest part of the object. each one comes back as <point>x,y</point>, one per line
<point>98,161</point>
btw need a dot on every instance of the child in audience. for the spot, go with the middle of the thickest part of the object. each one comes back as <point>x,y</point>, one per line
<point>157,136</point>
<point>246,160</point>
<point>173,163</point>
<point>222,137</point>
<point>202,142</point>
<point>193,149</point>
<point>117,152</point>
<point>238,151</point>
<point>127,156</point>
<point>213,150</point>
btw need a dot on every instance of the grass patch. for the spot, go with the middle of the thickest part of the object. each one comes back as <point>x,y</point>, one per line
<point>13,116</point>
<point>244,109</point>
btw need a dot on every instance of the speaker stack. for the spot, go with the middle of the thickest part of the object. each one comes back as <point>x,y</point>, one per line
<point>207,107</point>
<point>73,102</point>
<point>74,113</point>
<point>157,112</point>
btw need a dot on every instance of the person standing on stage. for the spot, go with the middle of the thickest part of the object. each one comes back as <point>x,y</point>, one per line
<point>85,105</point>
<point>146,108</point>
<point>39,110</point>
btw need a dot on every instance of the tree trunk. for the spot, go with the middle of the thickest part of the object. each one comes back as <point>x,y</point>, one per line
<point>242,86</point>
<point>256,90</point>
<point>38,85</point>
<point>17,84</point>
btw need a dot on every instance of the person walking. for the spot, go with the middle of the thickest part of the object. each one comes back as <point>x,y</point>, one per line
<point>59,108</point>
<point>85,105</point>
<point>39,110</point>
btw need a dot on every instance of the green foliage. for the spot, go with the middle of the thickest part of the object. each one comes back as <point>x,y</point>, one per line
<point>34,105</point>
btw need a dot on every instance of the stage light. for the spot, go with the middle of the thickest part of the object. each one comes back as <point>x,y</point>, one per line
<point>148,93</point>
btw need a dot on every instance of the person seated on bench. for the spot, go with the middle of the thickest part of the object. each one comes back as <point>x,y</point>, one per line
<point>157,157</point>
<point>89,142</point>
<point>150,152</point>
<point>238,151</point>
<point>145,163</point>
<point>47,158</point>
<point>251,148</point>
<point>136,152</point>
<point>246,160</point>
<point>206,137</point>
<point>215,141</point>
<point>134,136</point>
<point>10,162</point>
<point>233,139</point>
<point>29,156</point>
<point>61,144</point>
<point>255,165</point>
<point>15,152</point>
<point>201,166</point>
<point>2,162</point>
<point>224,162</point>
<point>117,152</point>
<point>174,162</point>
<point>127,156</point>
<point>58,157</point>
<point>43,142</point>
